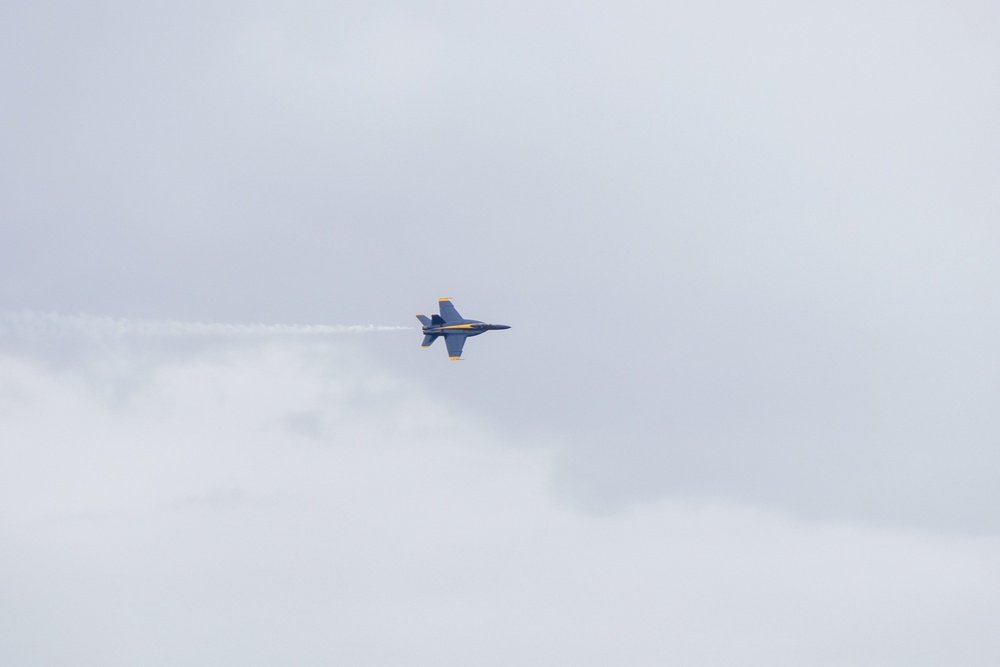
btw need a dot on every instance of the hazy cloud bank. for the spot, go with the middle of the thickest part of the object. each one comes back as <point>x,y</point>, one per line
<point>285,502</point>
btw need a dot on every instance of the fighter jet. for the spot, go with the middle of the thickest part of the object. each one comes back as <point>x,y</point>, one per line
<point>453,327</point>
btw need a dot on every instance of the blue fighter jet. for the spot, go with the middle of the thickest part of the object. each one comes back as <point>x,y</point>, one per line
<point>453,327</point>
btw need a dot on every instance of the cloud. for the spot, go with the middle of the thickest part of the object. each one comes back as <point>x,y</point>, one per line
<point>285,502</point>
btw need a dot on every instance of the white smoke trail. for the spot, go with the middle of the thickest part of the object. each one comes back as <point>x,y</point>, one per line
<point>28,324</point>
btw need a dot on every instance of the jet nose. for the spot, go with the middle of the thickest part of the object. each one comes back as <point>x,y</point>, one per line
<point>500,326</point>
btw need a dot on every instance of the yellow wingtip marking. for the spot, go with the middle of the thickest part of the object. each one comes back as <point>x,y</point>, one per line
<point>420,314</point>
<point>445,298</point>
<point>455,358</point>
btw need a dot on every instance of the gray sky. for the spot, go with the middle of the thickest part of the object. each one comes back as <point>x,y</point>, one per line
<point>748,252</point>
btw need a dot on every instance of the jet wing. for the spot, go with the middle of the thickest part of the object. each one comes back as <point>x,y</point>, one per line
<point>448,312</point>
<point>455,343</point>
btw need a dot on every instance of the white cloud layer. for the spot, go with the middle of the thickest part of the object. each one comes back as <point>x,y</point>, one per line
<point>280,502</point>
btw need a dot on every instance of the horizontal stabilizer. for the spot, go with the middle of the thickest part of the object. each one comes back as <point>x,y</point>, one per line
<point>426,321</point>
<point>429,339</point>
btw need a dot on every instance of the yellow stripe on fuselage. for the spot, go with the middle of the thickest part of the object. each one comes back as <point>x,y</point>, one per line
<point>457,326</point>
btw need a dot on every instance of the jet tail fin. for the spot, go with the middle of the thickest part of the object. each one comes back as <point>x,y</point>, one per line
<point>426,321</point>
<point>437,319</point>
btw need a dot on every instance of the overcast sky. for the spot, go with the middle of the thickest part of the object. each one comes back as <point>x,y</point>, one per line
<point>747,412</point>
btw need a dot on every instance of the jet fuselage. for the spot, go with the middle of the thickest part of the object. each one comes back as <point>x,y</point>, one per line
<point>466,328</point>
